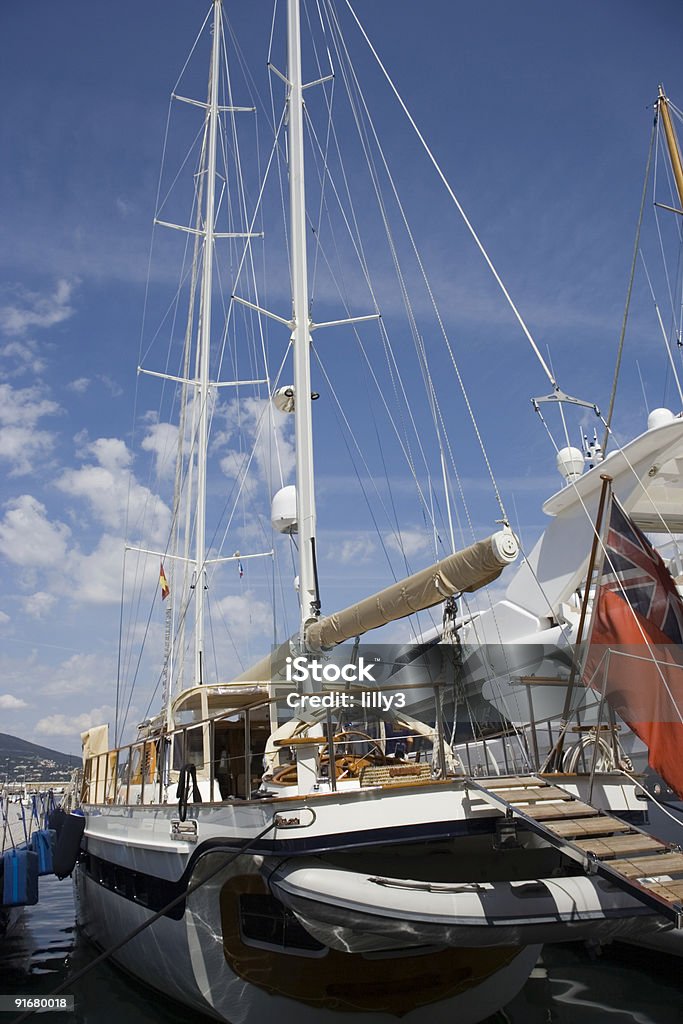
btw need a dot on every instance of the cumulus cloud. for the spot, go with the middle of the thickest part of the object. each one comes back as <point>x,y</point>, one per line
<point>21,442</point>
<point>8,702</point>
<point>73,725</point>
<point>80,385</point>
<point>268,432</point>
<point>96,576</point>
<point>25,356</point>
<point>244,614</point>
<point>410,542</point>
<point>356,549</point>
<point>114,495</point>
<point>30,309</point>
<point>28,537</point>
<point>39,604</point>
<point>78,674</point>
<point>162,440</point>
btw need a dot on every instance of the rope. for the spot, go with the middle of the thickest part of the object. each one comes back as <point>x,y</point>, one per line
<point>651,797</point>
<point>188,774</point>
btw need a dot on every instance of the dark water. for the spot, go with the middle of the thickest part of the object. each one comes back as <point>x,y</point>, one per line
<point>623,985</point>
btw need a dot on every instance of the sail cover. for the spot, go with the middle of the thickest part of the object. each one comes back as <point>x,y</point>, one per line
<point>636,644</point>
<point>465,570</point>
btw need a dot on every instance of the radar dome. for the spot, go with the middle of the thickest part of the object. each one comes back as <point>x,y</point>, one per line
<point>658,417</point>
<point>283,510</point>
<point>570,463</point>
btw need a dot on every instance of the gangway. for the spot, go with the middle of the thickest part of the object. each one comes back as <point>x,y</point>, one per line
<point>646,867</point>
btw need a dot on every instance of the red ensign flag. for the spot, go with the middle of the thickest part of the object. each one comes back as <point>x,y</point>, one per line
<point>638,619</point>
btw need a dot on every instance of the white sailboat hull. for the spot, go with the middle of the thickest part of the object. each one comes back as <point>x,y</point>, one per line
<point>298,923</point>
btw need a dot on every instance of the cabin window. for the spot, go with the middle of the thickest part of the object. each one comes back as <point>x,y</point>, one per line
<point>267,924</point>
<point>188,748</point>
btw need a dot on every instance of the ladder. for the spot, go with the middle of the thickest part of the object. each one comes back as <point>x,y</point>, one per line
<point>638,863</point>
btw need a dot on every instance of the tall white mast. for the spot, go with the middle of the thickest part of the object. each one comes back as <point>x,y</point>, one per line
<point>204,345</point>
<point>301,334</point>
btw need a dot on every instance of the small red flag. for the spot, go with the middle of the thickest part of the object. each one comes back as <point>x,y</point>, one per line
<point>163,582</point>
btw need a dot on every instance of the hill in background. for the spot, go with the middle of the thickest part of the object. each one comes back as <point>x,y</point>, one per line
<point>21,758</point>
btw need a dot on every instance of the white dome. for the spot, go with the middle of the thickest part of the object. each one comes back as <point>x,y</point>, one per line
<point>570,463</point>
<point>658,417</point>
<point>283,510</point>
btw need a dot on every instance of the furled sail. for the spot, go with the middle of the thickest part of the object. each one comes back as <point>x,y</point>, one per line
<point>463,571</point>
<point>466,570</point>
<point>671,142</point>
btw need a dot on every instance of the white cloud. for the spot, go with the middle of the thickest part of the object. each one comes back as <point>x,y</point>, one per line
<point>356,549</point>
<point>22,447</point>
<point>78,674</point>
<point>20,440</point>
<point>113,493</point>
<point>244,614</point>
<point>73,725</point>
<point>10,703</point>
<point>162,440</point>
<point>4,618</point>
<point>80,385</point>
<point>33,310</point>
<point>26,357</point>
<point>269,433</point>
<point>114,389</point>
<point>97,575</point>
<point>234,465</point>
<point>39,604</point>
<point>28,537</point>
<point>410,542</point>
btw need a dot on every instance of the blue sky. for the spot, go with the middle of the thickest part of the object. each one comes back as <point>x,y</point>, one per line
<point>539,116</point>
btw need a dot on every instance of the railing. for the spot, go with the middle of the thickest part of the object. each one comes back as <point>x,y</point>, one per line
<point>142,772</point>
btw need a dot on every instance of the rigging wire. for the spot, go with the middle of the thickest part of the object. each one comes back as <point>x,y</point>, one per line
<point>665,336</point>
<point>455,199</point>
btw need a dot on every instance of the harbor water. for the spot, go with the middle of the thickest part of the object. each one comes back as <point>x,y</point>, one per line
<point>569,985</point>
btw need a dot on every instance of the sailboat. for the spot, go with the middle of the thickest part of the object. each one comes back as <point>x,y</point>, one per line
<point>305,838</point>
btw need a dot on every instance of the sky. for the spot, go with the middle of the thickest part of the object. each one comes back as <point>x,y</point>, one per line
<point>539,116</point>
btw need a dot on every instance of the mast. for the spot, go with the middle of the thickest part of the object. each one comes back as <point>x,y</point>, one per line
<point>204,348</point>
<point>301,334</point>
